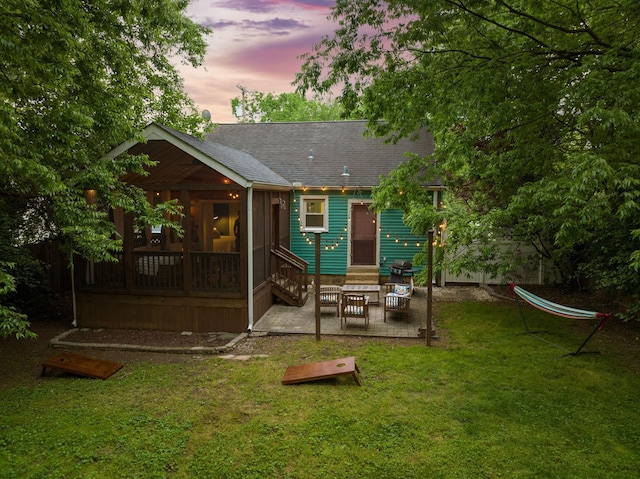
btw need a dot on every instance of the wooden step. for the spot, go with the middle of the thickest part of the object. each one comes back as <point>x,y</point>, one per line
<point>362,276</point>
<point>289,296</point>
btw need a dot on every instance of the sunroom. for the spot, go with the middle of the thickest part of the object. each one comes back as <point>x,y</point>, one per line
<point>216,275</point>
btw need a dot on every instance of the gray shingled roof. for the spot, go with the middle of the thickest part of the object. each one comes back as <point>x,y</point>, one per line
<point>284,148</point>
<point>241,162</point>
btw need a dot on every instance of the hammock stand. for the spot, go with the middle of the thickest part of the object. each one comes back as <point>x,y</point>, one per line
<point>558,310</point>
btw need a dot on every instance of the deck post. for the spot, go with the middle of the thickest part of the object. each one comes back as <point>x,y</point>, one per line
<point>316,288</point>
<point>429,287</point>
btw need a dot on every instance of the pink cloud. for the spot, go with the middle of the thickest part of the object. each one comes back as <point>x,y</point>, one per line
<point>256,44</point>
<point>268,5</point>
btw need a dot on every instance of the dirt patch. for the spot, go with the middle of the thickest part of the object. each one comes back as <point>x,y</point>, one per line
<point>185,339</point>
<point>21,359</point>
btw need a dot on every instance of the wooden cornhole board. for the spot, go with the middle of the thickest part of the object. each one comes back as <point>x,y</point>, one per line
<point>81,365</point>
<point>322,370</point>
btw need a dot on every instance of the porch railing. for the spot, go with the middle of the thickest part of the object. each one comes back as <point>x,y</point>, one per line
<point>104,275</point>
<point>289,276</point>
<point>158,270</point>
<point>218,272</point>
<point>164,271</point>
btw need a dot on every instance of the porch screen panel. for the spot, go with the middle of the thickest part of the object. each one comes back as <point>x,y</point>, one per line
<point>261,205</point>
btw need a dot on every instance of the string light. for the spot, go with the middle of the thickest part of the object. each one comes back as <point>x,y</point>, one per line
<point>332,243</point>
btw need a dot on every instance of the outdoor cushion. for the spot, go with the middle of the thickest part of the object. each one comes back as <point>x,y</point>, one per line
<point>329,298</point>
<point>401,289</point>
<point>391,301</point>
<point>354,309</point>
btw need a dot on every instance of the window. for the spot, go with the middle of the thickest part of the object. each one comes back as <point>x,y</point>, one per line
<point>436,197</point>
<point>314,217</point>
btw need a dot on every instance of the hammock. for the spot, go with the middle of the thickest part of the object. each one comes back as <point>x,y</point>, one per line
<point>558,310</point>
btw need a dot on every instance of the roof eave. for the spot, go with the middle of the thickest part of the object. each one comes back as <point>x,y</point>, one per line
<point>154,132</point>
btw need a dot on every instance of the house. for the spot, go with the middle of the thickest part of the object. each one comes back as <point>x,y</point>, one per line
<point>250,194</point>
<point>332,168</point>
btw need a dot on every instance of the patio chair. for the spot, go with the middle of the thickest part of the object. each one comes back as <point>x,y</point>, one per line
<point>354,306</point>
<point>330,297</point>
<point>398,299</point>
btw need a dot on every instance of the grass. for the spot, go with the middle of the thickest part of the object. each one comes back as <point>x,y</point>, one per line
<point>494,403</point>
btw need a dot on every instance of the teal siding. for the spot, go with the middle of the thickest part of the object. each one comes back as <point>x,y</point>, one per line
<point>333,244</point>
<point>396,240</point>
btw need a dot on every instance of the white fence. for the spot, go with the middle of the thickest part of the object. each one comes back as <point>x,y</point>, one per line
<point>529,268</point>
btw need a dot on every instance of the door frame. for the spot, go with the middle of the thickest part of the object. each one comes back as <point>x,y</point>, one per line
<point>376,260</point>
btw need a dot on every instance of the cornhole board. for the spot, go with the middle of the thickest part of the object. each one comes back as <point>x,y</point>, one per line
<point>322,370</point>
<point>81,365</point>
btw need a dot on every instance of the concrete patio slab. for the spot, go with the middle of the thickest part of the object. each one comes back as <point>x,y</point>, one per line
<point>284,319</point>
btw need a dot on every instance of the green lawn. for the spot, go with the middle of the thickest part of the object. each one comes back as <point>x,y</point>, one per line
<point>492,403</point>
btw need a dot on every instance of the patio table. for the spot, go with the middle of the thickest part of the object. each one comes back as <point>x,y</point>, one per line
<point>362,289</point>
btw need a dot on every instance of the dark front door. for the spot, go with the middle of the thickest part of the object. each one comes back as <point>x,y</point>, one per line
<point>363,235</point>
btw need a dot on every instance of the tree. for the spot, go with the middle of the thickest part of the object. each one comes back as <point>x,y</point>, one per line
<point>258,107</point>
<point>76,79</point>
<point>534,107</point>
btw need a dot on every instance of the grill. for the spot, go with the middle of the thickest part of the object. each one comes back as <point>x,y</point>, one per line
<point>398,269</point>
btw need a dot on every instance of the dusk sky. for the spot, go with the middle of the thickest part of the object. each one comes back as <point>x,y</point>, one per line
<point>255,44</point>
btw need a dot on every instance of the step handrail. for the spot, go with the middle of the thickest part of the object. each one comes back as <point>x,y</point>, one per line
<point>290,257</point>
<point>297,277</point>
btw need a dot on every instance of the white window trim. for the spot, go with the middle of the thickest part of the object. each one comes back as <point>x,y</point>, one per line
<point>303,214</point>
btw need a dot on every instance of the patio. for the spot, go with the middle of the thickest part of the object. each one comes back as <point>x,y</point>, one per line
<point>283,319</point>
